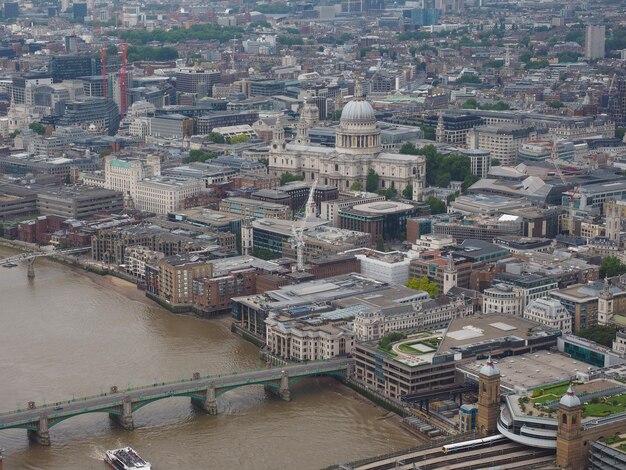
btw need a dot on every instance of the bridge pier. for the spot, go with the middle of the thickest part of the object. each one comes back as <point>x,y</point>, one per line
<point>42,435</point>
<point>31,268</point>
<point>209,404</point>
<point>283,390</point>
<point>125,420</point>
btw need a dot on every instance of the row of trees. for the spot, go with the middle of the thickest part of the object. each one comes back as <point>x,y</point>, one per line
<point>471,103</point>
<point>424,284</point>
<point>441,169</point>
<point>161,54</point>
<point>206,32</point>
<point>200,156</point>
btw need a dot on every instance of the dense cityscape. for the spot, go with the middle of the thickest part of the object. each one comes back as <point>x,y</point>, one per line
<point>407,216</point>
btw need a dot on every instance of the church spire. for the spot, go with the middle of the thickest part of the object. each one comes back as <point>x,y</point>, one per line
<point>440,133</point>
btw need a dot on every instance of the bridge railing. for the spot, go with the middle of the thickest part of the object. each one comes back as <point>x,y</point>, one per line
<point>120,393</point>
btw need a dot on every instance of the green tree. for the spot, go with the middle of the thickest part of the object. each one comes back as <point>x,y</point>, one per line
<point>600,334</point>
<point>468,78</point>
<point>437,206</point>
<point>495,162</point>
<point>390,338</point>
<point>470,103</point>
<point>137,53</point>
<point>14,134</point>
<point>429,132</point>
<point>380,243</point>
<point>619,133</point>
<point>409,148</point>
<point>356,186</point>
<point>68,180</point>
<point>239,139</point>
<point>389,193</point>
<point>612,266</point>
<point>289,40</point>
<point>289,177</point>
<point>371,184</point>
<point>336,115</point>
<point>468,181</point>
<point>423,284</point>
<point>555,104</point>
<point>407,193</point>
<point>37,128</point>
<point>216,137</point>
<point>200,156</point>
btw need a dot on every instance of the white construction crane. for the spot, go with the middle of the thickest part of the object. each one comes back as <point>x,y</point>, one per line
<point>297,230</point>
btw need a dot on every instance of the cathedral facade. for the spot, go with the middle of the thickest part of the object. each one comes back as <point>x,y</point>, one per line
<point>357,149</point>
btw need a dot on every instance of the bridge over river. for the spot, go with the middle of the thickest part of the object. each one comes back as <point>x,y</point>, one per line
<point>31,257</point>
<point>203,391</point>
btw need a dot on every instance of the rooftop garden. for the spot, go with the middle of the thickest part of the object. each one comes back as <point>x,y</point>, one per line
<point>420,346</point>
<point>548,394</point>
<point>601,407</point>
<point>545,400</point>
<point>416,343</point>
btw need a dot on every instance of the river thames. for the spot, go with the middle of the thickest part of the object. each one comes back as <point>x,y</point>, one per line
<point>69,333</point>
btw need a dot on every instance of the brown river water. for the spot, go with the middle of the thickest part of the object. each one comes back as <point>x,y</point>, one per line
<point>70,333</point>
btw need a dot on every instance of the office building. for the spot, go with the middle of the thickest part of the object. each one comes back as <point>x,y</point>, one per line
<point>385,219</point>
<point>198,81</point>
<point>68,67</point>
<point>79,11</point>
<point>78,202</point>
<point>11,10</point>
<point>99,115</point>
<point>594,41</point>
<point>503,141</point>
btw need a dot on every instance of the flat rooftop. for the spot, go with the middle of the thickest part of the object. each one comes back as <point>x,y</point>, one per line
<point>530,371</point>
<point>383,207</point>
<point>468,331</point>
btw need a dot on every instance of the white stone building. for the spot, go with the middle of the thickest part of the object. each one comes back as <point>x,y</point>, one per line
<point>549,312</point>
<point>302,341</point>
<point>357,150</point>
<point>437,313</point>
<point>142,183</point>
<point>503,298</point>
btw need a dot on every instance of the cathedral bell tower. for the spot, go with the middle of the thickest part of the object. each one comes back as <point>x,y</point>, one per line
<point>278,138</point>
<point>569,432</point>
<point>488,398</point>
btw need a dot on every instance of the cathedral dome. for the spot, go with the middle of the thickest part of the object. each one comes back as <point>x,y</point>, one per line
<point>570,399</point>
<point>358,111</point>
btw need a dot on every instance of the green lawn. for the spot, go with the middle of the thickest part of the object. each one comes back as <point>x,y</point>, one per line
<point>607,406</point>
<point>407,347</point>
<point>552,393</point>
<point>601,409</point>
